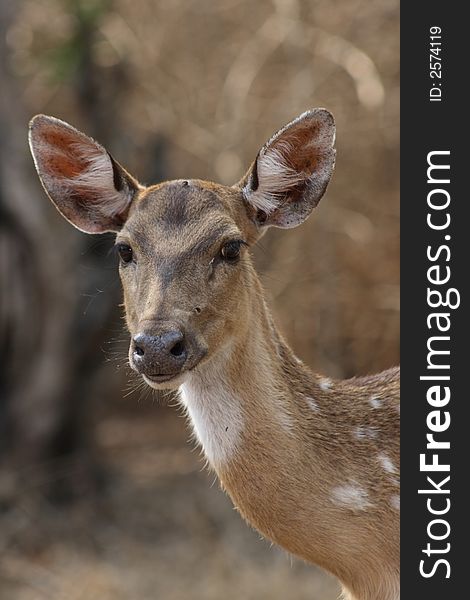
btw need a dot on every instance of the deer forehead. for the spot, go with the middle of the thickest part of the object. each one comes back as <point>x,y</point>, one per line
<point>178,200</point>
<point>183,216</point>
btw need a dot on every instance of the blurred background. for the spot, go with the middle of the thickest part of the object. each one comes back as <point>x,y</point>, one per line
<point>102,496</point>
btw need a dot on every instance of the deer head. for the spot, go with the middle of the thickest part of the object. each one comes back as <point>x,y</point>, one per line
<point>184,245</point>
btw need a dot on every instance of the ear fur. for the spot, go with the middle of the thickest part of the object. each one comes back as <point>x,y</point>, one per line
<point>292,170</point>
<point>88,187</point>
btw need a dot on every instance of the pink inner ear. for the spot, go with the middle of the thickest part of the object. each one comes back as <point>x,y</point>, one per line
<point>60,156</point>
<point>300,147</point>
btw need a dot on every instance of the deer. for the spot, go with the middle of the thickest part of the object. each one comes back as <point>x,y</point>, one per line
<point>310,462</point>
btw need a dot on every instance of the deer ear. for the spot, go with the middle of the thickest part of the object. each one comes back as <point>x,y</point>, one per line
<point>292,170</point>
<point>85,183</point>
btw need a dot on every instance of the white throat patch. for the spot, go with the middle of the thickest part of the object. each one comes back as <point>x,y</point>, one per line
<point>215,415</point>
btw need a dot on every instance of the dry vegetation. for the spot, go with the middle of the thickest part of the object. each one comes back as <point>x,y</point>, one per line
<point>175,88</point>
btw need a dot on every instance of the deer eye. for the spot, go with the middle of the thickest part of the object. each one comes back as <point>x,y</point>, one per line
<point>125,252</point>
<point>230,251</point>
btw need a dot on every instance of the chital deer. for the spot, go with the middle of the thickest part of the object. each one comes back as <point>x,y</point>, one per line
<point>310,462</point>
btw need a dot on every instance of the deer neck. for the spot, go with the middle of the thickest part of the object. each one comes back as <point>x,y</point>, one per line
<point>251,408</point>
<point>242,390</point>
<point>246,408</point>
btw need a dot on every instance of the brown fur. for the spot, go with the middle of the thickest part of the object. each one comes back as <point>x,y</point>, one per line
<point>311,463</point>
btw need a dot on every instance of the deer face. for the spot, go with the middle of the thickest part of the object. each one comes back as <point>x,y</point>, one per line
<point>185,268</point>
<point>184,245</point>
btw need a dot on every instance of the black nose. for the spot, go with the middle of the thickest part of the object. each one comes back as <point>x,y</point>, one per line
<point>162,354</point>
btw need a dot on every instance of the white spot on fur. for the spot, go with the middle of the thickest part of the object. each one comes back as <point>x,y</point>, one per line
<point>325,384</point>
<point>375,402</point>
<point>364,433</point>
<point>389,468</point>
<point>351,495</point>
<point>386,463</point>
<point>275,177</point>
<point>395,502</point>
<point>312,403</point>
